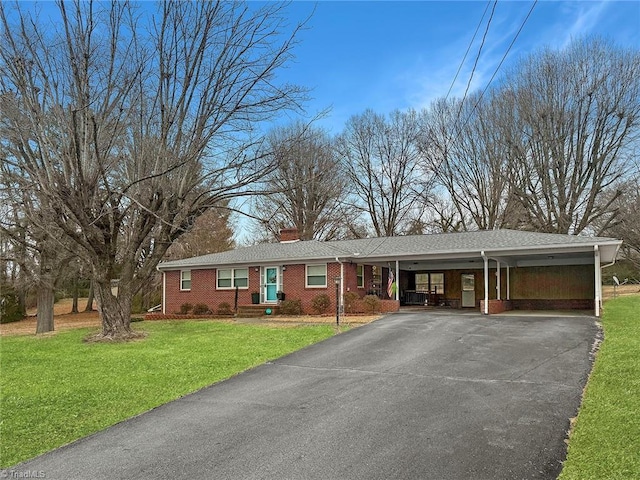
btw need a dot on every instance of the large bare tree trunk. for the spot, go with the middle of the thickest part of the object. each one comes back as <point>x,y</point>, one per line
<point>74,305</point>
<point>120,169</point>
<point>115,312</point>
<point>45,308</point>
<point>45,294</point>
<point>89,307</point>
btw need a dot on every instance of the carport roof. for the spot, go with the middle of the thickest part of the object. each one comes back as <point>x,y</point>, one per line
<point>446,246</point>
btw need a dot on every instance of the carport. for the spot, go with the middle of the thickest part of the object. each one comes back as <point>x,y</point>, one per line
<point>501,270</point>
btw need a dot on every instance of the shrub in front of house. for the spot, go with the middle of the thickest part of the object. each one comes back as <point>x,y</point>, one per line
<point>185,308</point>
<point>291,307</point>
<point>224,309</point>
<point>201,309</point>
<point>320,303</point>
<point>350,300</point>
<point>372,302</point>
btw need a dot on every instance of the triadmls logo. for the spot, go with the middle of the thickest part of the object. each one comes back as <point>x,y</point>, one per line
<point>22,474</point>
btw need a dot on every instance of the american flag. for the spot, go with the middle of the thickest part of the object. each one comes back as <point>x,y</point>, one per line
<point>390,284</point>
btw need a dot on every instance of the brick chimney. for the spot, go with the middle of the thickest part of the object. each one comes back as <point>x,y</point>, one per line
<point>288,235</point>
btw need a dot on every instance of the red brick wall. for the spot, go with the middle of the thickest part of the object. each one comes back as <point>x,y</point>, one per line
<point>203,289</point>
<point>496,306</point>
<point>289,234</point>
<point>294,286</point>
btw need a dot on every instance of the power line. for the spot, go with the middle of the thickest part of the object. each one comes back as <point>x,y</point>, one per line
<point>506,53</point>
<point>468,49</point>
<point>533,5</point>
<point>475,64</point>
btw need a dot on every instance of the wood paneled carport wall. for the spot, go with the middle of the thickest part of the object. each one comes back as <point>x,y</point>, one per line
<point>530,288</point>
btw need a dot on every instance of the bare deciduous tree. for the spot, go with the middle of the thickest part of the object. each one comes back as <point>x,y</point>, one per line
<point>626,225</point>
<point>380,157</point>
<point>307,189</point>
<point>461,146</point>
<point>127,124</point>
<point>575,114</point>
<point>41,254</point>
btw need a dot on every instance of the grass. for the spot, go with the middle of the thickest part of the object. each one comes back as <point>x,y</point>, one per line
<point>605,441</point>
<point>56,389</point>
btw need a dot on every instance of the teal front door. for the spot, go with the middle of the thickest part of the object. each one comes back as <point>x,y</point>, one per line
<point>270,284</point>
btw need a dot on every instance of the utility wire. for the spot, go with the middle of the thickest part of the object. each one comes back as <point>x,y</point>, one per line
<point>475,64</point>
<point>467,52</point>
<point>533,5</point>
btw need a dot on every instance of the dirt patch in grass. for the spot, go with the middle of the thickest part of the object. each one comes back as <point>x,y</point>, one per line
<point>63,320</point>
<point>620,291</point>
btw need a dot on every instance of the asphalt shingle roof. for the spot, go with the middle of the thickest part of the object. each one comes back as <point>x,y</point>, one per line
<point>388,247</point>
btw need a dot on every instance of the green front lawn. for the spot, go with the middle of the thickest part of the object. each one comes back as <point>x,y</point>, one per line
<point>56,389</point>
<point>605,442</point>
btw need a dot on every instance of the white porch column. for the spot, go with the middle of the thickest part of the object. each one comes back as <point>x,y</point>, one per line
<point>486,283</point>
<point>164,293</point>
<point>341,288</point>
<point>508,284</point>
<point>397,292</point>
<point>498,295</point>
<point>598,279</point>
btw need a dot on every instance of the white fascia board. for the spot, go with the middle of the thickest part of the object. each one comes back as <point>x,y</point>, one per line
<point>541,262</point>
<point>257,263</point>
<point>439,255</point>
<point>609,252</point>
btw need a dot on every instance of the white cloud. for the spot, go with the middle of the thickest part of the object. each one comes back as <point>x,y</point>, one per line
<point>431,80</point>
<point>587,17</point>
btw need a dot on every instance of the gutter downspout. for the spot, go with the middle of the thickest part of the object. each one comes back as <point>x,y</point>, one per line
<point>164,293</point>
<point>486,282</point>
<point>341,285</point>
<point>498,293</point>
<point>614,259</point>
<point>601,267</point>
<point>598,278</point>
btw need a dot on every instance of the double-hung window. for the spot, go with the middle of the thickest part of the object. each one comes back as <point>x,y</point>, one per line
<point>360,275</point>
<point>436,282</point>
<point>316,276</point>
<point>430,282</point>
<point>185,280</point>
<point>232,278</point>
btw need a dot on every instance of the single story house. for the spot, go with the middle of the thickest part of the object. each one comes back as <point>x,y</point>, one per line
<point>493,271</point>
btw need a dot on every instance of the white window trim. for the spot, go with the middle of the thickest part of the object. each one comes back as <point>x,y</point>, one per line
<point>182,280</point>
<point>306,275</point>
<point>233,277</point>
<point>363,278</point>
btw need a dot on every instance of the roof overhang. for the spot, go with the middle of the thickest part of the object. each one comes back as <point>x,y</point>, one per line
<point>513,257</point>
<point>423,256</point>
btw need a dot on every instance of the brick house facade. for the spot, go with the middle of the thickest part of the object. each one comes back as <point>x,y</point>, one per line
<point>490,270</point>
<point>203,287</point>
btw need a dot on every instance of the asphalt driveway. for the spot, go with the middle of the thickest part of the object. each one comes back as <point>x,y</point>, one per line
<point>438,395</point>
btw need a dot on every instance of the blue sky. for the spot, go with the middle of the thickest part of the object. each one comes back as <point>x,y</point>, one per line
<point>386,55</point>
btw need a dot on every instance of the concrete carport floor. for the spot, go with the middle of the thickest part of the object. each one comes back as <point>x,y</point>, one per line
<point>413,395</point>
